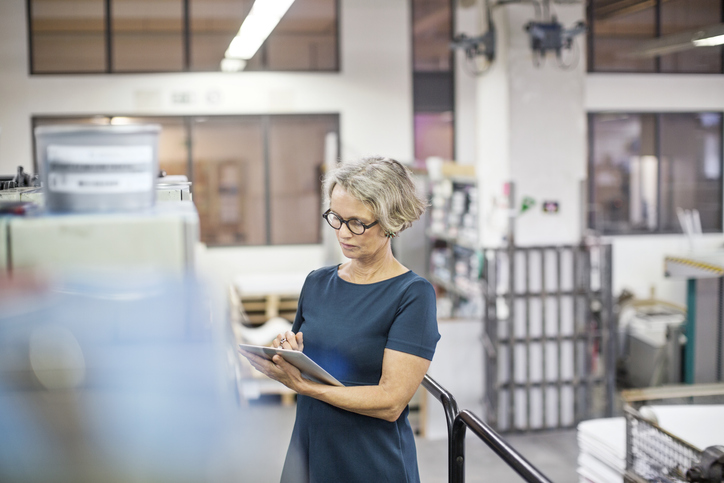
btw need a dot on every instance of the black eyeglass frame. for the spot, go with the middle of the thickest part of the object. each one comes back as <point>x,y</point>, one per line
<point>326,214</point>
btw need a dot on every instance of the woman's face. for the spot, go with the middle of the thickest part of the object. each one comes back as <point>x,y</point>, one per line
<point>367,245</point>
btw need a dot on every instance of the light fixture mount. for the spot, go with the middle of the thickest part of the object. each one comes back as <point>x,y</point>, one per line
<point>550,36</point>
<point>479,46</point>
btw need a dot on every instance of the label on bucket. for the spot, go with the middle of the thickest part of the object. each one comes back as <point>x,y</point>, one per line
<point>100,169</point>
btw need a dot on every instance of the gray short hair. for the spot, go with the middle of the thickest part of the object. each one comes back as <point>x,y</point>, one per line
<point>384,185</point>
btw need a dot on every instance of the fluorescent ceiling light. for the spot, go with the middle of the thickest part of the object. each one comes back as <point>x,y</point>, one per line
<point>232,65</point>
<point>669,44</point>
<point>256,27</point>
<point>710,42</point>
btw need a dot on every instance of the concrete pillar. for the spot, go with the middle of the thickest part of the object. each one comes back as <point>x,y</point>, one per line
<point>531,130</point>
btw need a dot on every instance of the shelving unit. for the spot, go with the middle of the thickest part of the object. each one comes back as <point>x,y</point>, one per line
<point>454,267</point>
<point>455,263</point>
<point>547,344</point>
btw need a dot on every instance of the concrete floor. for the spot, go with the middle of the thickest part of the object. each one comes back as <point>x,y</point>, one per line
<point>554,453</point>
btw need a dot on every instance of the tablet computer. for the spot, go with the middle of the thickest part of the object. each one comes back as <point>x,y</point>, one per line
<point>309,369</point>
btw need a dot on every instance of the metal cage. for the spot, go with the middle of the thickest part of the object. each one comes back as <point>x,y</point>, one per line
<point>550,336</point>
<point>653,454</point>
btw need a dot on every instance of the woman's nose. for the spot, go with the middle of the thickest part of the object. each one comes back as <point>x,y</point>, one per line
<point>347,232</point>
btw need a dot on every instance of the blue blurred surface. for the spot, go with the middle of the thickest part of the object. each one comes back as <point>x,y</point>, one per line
<point>115,379</point>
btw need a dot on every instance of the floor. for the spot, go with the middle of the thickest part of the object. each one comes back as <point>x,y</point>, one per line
<point>554,453</point>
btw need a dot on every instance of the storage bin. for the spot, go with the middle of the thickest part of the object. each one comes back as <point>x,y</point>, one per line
<point>88,168</point>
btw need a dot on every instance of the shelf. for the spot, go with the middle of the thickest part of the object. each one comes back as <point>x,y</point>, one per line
<point>450,287</point>
<point>451,239</point>
<point>454,252</point>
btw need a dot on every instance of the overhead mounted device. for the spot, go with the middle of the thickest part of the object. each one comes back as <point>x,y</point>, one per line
<point>479,50</point>
<point>477,47</point>
<point>550,36</point>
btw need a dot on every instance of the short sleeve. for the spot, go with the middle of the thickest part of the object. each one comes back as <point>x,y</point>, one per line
<point>299,318</point>
<point>414,330</point>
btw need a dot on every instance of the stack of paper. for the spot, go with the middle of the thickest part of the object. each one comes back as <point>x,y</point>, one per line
<point>602,450</point>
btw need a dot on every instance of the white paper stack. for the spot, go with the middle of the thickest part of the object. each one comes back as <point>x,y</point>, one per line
<point>602,450</point>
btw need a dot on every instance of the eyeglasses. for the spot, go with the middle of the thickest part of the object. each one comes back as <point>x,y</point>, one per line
<point>353,224</point>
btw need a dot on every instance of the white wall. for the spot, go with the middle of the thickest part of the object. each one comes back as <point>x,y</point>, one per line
<point>470,22</point>
<point>493,138</point>
<point>654,92</point>
<point>372,94</point>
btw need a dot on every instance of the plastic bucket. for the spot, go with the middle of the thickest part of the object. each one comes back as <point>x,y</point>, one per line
<point>87,168</point>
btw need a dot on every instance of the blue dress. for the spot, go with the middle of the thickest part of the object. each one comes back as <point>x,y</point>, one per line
<point>346,329</point>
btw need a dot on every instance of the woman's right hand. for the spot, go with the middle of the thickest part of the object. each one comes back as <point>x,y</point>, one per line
<point>289,340</point>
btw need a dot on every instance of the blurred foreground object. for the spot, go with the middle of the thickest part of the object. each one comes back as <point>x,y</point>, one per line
<point>115,379</point>
<point>162,239</point>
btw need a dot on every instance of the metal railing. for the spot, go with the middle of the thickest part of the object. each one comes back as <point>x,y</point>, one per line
<point>458,421</point>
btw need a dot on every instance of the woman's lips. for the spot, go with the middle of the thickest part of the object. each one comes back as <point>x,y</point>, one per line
<point>348,247</point>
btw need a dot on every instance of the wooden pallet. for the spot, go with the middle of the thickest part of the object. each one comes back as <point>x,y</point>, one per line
<point>253,310</point>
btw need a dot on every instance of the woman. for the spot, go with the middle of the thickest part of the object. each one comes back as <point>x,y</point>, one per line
<point>371,323</point>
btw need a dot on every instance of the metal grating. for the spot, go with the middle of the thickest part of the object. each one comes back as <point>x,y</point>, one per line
<point>653,454</point>
<point>549,336</point>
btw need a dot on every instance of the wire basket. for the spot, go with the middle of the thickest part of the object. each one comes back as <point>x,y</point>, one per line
<point>653,454</point>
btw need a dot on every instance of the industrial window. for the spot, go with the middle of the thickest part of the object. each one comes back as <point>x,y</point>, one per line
<point>433,79</point>
<point>647,170</point>
<point>114,36</point>
<point>656,36</point>
<point>255,179</point>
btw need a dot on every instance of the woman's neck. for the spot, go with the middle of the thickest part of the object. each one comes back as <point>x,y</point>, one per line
<point>370,271</point>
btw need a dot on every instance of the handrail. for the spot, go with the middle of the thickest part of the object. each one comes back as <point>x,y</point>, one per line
<point>457,421</point>
<point>450,406</point>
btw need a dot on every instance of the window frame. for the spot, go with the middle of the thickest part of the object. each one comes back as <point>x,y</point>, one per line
<point>590,181</point>
<point>591,47</point>
<point>426,86</point>
<point>186,46</point>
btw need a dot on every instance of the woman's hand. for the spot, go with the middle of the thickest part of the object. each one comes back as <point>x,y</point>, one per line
<point>289,340</point>
<point>277,368</point>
